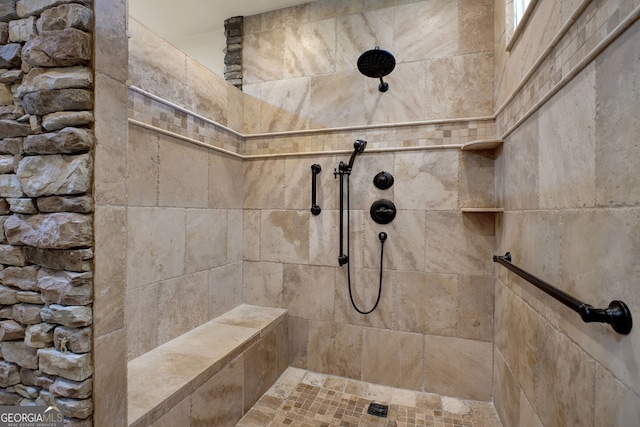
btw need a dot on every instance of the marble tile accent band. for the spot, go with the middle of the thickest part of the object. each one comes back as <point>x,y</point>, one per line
<point>589,57</point>
<point>306,131</point>
<point>182,109</point>
<point>154,113</point>
<point>561,33</point>
<point>308,154</point>
<point>184,138</point>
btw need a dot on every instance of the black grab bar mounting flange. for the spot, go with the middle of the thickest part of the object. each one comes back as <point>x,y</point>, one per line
<point>617,314</point>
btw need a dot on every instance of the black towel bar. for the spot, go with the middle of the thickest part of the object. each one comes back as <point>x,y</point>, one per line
<point>617,314</point>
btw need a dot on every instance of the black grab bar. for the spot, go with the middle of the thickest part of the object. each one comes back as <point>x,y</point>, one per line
<point>617,314</point>
<point>315,170</point>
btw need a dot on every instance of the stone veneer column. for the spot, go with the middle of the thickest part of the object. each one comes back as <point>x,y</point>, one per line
<point>46,206</point>
<point>233,51</point>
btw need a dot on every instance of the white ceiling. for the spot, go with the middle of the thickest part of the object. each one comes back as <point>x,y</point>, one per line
<point>177,20</point>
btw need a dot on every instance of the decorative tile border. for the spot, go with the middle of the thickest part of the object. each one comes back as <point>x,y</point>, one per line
<point>394,136</point>
<point>592,27</point>
<point>162,115</point>
<point>576,46</point>
<point>153,112</point>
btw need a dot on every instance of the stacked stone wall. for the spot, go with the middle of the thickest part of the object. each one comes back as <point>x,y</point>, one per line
<point>233,51</point>
<point>46,206</point>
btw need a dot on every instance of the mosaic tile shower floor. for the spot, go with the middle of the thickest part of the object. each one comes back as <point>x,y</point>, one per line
<point>305,399</point>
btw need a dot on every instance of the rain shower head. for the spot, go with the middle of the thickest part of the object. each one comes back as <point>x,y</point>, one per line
<point>358,148</point>
<point>377,63</point>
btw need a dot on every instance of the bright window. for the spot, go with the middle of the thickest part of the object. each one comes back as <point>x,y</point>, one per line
<point>519,7</point>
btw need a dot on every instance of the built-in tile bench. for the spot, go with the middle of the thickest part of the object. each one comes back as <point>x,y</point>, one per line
<point>211,375</point>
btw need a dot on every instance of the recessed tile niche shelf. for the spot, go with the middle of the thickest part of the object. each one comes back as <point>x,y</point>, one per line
<point>483,144</point>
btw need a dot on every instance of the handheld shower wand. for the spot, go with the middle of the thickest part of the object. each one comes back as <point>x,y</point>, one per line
<point>358,148</point>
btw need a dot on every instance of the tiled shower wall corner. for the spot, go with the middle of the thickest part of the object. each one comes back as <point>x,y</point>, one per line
<point>161,69</point>
<point>290,255</point>
<point>435,318</point>
<point>567,178</point>
<point>184,223</point>
<point>284,273</point>
<point>437,296</point>
<point>148,110</point>
<point>293,261</point>
<point>588,24</point>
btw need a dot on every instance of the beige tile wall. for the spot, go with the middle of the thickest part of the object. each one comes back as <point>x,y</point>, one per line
<point>158,67</point>
<point>567,177</point>
<point>524,75</point>
<point>436,184</point>
<point>302,59</point>
<point>568,171</point>
<point>193,215</point>
<point>437,283</point>
<point>183,201</point>
<point>437,287</point>
<point>184,251</point>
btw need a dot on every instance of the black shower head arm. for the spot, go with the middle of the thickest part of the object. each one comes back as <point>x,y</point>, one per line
<point>383,86</point>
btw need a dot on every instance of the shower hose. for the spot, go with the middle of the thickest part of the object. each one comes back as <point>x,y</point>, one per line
<point>383,237</point>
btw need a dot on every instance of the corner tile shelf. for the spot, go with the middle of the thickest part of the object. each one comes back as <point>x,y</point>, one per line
<point>482,210</point>
<point>483,144</point>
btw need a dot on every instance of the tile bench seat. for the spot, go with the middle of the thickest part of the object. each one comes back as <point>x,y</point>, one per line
<point>240,354</point>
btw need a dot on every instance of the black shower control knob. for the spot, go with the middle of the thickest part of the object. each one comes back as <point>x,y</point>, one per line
<point>383,180</point>
<point>383,211</point>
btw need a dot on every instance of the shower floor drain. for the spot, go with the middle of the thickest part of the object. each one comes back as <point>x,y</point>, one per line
<point>378,410</point>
